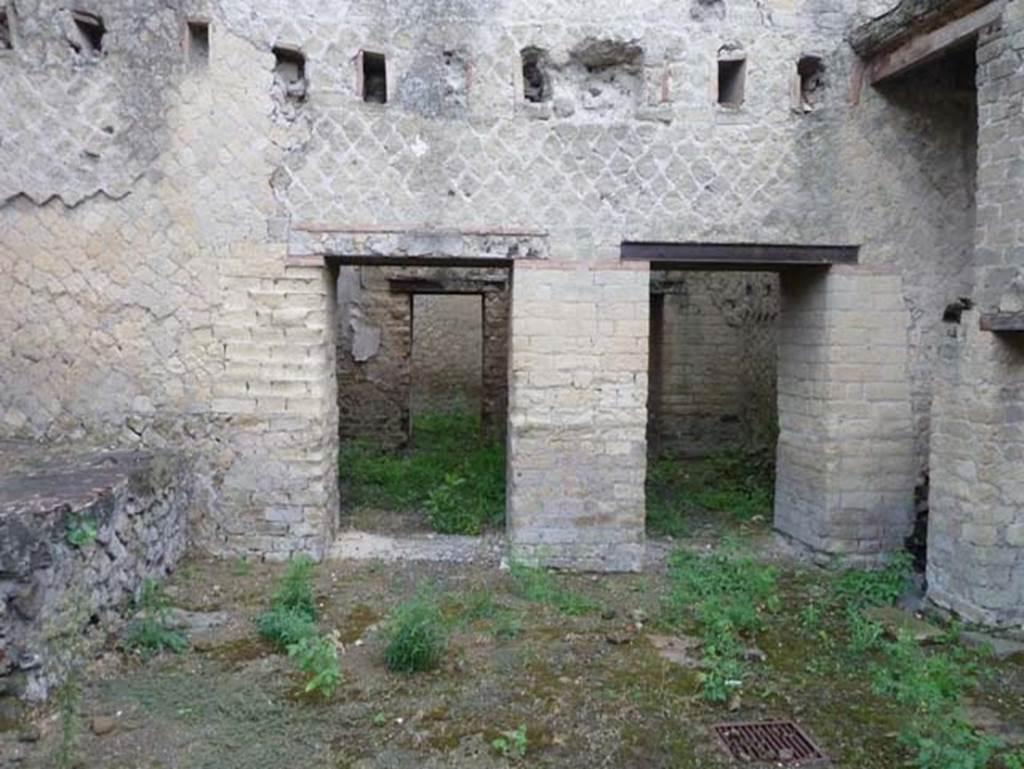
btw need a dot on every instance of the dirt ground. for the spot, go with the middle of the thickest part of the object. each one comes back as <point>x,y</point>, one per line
<point>591,689</point>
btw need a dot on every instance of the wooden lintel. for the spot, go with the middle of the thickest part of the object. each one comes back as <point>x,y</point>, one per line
<point>930,45</point>
<point>714,256</point>
<point>467,286</point>
<point>1003,322</point>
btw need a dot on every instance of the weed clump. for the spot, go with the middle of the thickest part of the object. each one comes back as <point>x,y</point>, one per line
<point>728,593</point>
<point>417,635</point>
<point>290,625</point>
<point>450,472</point>
<point>150,633</point>
<point>541,586</point>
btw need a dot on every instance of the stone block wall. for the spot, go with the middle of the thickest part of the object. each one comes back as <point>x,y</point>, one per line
<point>375,328</point>
<point>57,595</point>
<point>447,353</point>
<point>713,369</point>
<point>976,523</point>
<point>845,461</point>
<point>578,397</point>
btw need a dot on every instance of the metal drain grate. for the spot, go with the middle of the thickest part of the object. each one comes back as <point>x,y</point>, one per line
<point>778,742</point>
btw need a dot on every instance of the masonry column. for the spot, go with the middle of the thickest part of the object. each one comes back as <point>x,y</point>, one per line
<point>845,462</point>
<point>495,362</point>
<point>976,518</point>
<point>578,414</point>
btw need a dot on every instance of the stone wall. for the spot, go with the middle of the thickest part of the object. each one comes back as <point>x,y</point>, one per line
<point>577,414</point>
<point>57,594</point>
<point>164,224</point>
<point>447,353</point>
<point>976,524</point>
<point>845,464</point>
<point>713,370</point>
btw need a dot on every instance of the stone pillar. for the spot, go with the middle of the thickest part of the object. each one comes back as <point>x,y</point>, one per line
<point>976,518</point>
<point>578,413</point>
<point>495,362</point>
<point>845,461</point>
<point>278,467</point>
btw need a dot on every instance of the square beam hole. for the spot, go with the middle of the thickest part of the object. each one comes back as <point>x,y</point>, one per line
<point>375,78</point>
<point>536,84</point>
<point>198,42</point>
<point>732,75</point>
<point>290,71</point>
<point>811,71</point>
<point>6,31</point>
<point>91,30</point>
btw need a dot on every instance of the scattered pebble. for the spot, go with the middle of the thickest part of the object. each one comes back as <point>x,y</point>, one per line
<point>100,725</point>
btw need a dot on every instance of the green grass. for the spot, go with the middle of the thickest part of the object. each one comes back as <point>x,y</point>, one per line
<point>734,482</point>
<point>290,624</point>
<point>449,471</point>
<point>149,632</point>
<point>417,635</point>
<point>727,594</point>
<point>539,585</point>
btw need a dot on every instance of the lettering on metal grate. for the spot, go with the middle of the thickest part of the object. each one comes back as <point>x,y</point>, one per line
<point>776,742</point>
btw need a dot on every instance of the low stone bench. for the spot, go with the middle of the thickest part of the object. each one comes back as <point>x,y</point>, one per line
<point>79,534</point>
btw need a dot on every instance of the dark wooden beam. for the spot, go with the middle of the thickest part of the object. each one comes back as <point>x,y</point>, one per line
<point>925,47</point>
<point>410,261</point>
<point>1003,322</point>
<point>737,256</point>
<point>908,19</point>
<point>468,286</point>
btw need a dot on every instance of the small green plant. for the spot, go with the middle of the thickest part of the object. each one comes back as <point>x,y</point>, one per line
<point>150,633</point>
<point>448,446</point>
<point>728,593</point>
<point>283,627</point>
<point>317,656</point>
<point>417,635</point>
<point>860,589</point>
<point>507,625</point>
<point>812,616</point>
<point>446,508</point>
<point>292,614</point>
<point>513,743</point>
<point>379,719</point>
<point>69,698</point>
<point>68,650</point>
<point>82,530</point>
<point>539,585</point>
<point>243,567</point>
<point>296,591</point>
<point>865,634</point>
<point>290,624</point>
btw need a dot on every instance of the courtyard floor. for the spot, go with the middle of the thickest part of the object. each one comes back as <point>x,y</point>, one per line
<point>539,670</point>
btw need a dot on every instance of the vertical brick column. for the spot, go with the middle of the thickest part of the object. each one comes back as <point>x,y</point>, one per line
<point>279,481</point>
<point>495,362</point>
<point>578,413</point>
<point>976,518</point>
<point>846,472</point>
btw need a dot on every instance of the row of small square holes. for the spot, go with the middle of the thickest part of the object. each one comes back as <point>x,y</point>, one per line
<point>291,63</point>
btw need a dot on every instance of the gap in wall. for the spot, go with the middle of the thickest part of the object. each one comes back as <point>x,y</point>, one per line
<point>712,411</point>
<point>422,366</point>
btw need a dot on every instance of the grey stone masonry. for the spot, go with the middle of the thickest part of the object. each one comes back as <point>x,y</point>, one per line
<point>578,413</point>
<point>976,525</point>
<point>57,589</point>
<point>845,461</point>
